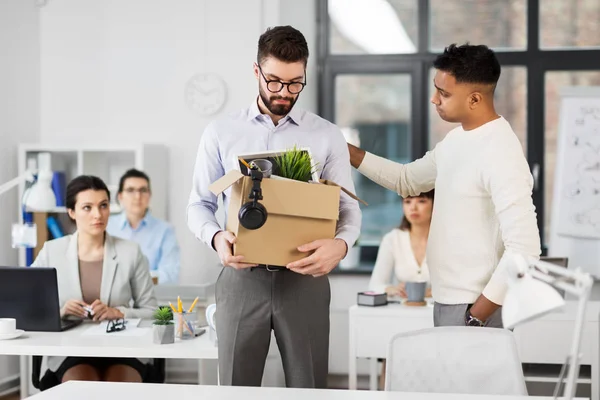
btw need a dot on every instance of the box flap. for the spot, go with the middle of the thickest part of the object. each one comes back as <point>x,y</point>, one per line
<point>299,199</point>
<point>219,186</point>
<point>349,193</point>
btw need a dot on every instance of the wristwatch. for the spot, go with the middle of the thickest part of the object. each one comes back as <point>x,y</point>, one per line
<point>472,321</point>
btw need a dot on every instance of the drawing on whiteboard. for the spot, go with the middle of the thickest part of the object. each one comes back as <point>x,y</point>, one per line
<point>590,218</point>
<point>579,214</point>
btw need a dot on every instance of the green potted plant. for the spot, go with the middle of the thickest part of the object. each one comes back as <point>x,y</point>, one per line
<point>295,164</point>
<point>163,327</point>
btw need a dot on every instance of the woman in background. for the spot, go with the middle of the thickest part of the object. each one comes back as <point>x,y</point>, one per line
<point>402,251</point>
<point>98,277</point>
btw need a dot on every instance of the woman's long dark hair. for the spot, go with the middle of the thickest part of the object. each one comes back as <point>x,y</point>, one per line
<point>405,225</point>
<point>83,183</point>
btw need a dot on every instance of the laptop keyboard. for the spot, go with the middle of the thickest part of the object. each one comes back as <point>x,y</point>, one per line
<point>68,324</point>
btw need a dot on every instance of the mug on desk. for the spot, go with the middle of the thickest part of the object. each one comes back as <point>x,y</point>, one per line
<point>415,291</point>
<point>8,326</point>
<point>210,320</point>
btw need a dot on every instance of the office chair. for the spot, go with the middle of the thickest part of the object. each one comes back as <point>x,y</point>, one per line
<point>155,373</point>
<point>455,360</point>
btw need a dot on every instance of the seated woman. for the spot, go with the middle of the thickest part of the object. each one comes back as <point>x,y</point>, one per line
<point>101,272</point>
<point>402,251</point>
<point>155,236</point>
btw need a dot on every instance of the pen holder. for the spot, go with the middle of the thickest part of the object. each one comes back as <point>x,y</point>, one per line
<point>185,325</point>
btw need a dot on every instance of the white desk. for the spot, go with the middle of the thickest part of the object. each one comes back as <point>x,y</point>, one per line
<point>372,328</point>
<point>76,390</point>
<point>73,343</point>
<point>543,341</point>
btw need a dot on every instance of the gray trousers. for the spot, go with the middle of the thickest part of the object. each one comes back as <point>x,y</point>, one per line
<point>454,315</point>
<point>251,303</point>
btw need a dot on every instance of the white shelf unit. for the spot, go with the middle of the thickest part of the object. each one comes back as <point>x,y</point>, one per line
<point>108,162</point>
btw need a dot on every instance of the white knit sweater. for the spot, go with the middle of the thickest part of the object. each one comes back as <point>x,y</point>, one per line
<point>483,208</point>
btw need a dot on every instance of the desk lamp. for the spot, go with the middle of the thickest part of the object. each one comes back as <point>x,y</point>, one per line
<point>532,293</point>
<point>40,196</point>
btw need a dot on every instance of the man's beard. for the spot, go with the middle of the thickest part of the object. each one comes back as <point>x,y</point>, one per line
<point>277,109</point>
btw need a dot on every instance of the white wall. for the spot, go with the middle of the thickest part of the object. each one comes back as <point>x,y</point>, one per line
<point>115,70</point>
<point>19,116</point>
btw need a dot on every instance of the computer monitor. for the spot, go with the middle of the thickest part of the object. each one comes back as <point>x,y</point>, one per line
<point>30,295</point>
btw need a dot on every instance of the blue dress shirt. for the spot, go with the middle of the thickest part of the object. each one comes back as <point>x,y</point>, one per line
<point>157,240</point>
<point>250,131</point>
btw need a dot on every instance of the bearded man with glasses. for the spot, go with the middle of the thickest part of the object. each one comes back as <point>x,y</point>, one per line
<point>291,300</point>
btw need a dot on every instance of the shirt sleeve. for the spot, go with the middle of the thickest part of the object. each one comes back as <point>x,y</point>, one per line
<point>381,277</point>
<point>409,179</point>
<point>507,178</point>
<point>202,203</point>
<point>338,169</point>
<point>170,258</point>
<point>142,290</point>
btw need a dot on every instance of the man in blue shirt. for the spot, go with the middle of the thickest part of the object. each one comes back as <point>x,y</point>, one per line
<point>156,237</point>
<point>291,300</point>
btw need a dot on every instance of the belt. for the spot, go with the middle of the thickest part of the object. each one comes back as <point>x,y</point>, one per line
<point>270,268</point>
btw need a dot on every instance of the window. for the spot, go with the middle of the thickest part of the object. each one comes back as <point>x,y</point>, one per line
<point>373,26</point>
<point>501,25</point>
<point>374,112</point>
<point>572,24</point>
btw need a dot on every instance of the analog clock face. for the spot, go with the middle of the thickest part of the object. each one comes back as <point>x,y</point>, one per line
<point>205,94</point>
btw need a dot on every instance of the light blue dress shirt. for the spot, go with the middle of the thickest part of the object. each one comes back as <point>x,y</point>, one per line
<point>250,131</point>
<point>157,240</point>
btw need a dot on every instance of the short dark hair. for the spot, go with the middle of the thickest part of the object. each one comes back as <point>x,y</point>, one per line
<point>405,224</point>
<point>132,173</point>
<point>81,184</point>
<point>469,64</point>
<point>284,43</point>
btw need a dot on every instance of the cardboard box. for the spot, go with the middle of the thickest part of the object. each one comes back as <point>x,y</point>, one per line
<point>298,213</point>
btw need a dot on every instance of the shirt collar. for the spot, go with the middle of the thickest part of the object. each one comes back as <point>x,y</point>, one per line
<point>124,222</point>
<point>295,115</point>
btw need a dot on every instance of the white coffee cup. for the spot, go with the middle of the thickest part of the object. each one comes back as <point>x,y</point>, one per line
<point>7,326</point>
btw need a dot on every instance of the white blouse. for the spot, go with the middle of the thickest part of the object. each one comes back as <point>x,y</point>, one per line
<point>396,256</point>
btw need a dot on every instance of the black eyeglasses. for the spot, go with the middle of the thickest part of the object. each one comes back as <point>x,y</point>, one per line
<point>116,325</point>
<point>142,190</point>
<point>276,86</point>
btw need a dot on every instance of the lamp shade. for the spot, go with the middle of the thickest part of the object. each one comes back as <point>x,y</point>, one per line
<point>528,298</point>
<point>40,197</point>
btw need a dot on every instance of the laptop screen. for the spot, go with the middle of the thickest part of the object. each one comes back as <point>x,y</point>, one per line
<point>30,295</point>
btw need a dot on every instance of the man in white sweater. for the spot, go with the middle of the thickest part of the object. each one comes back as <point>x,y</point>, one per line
<point>483,208</point>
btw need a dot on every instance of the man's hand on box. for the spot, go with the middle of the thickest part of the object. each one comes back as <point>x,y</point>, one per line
<point>223,243</point>
<point>327,254</point>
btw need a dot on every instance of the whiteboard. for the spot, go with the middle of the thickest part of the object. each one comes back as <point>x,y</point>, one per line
<point>575,223</point>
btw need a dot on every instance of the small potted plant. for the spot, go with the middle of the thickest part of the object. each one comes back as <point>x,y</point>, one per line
<point>163,327</point>
<point>295,164</point>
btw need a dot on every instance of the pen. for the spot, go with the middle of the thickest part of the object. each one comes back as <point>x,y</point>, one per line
<point>245,163</point>
<point>192,306</point>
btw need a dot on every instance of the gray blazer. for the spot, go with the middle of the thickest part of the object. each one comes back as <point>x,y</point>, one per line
<point>125,277</point>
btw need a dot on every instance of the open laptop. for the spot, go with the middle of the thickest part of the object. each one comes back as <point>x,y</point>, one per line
<point>30,295</point>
